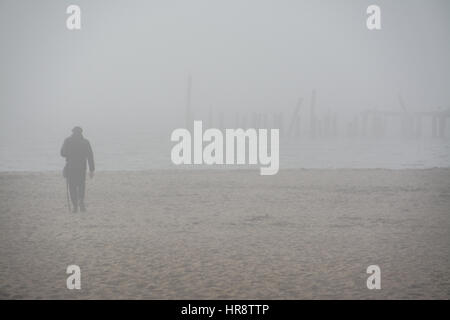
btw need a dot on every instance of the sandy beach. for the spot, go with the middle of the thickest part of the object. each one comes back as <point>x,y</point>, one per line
<point>220,234</point>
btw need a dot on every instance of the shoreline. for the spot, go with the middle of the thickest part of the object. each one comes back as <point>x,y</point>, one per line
<point>226,168</point>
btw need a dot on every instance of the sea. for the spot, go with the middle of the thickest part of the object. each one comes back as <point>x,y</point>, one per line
<point>141,151</point>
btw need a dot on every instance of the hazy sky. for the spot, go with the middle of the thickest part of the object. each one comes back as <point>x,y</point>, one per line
<point>129,63</point>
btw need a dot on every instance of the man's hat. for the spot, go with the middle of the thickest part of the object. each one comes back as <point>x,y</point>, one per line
<point>77,130</point>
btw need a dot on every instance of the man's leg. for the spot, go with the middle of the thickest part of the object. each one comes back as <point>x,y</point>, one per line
<point>81,192</point>
<point>73,194</point>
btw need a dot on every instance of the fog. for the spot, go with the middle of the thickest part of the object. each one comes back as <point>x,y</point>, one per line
<point>124,74</point>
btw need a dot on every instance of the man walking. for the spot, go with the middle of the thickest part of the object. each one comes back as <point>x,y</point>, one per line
<point>77,151</point>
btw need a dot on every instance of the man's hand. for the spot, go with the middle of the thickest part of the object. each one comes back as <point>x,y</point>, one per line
<point>91,174</point>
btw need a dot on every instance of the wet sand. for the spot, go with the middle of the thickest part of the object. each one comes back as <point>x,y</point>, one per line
<point>302,234</point>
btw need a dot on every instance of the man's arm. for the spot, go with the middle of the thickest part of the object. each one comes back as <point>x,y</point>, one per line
<point>90,157</point>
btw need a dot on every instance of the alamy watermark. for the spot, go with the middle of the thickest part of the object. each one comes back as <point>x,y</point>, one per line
<point>231,151</point>
<point>374,280</point>
<point>74,280</point>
